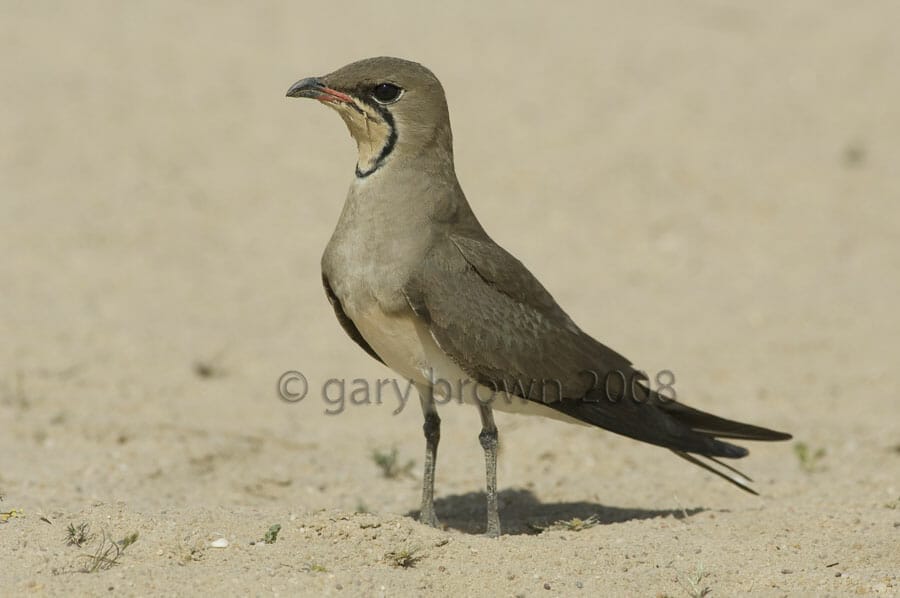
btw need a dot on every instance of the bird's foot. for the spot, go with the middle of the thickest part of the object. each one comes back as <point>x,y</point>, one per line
<point>493,528</point>
<point>429,518</point>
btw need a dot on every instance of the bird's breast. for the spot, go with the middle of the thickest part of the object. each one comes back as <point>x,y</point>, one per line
<point>398,338</point>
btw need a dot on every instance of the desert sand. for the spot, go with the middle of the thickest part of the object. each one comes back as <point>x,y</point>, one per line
<point>708,187</point>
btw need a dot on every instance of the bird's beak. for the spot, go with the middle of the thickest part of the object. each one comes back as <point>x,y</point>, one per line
<point>311,87</point>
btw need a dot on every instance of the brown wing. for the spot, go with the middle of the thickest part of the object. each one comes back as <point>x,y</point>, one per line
<point>496,321</point>
<point>502,327</point>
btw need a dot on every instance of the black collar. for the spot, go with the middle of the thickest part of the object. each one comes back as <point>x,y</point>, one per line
<point>388,146</point>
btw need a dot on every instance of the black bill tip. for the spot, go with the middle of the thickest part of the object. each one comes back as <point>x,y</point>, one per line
<point>310,87</point>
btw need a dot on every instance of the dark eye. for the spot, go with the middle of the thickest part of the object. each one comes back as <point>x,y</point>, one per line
<point>385,93</point>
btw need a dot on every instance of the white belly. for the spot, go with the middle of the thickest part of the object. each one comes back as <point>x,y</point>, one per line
<point>397,340</point>
<point>405,344</point>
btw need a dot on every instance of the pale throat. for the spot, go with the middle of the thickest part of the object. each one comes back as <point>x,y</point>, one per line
<point>371,133</point>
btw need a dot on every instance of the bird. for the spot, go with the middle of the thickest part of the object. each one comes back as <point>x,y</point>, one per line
<point>418,284</point>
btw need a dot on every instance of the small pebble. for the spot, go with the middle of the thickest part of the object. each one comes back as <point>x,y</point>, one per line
<point>220,543</point>
<point>546,586</point>
<point>786,571</point>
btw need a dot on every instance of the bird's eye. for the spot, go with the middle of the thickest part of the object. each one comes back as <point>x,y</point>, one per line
<point>386,93</point>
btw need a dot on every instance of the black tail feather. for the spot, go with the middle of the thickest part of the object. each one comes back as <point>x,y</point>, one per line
<point>732,475</point>
<point>688,432</point>
<point>713,425</point>
<point>668,424</point>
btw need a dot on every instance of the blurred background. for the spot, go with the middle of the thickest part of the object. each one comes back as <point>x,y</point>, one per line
<point>708,187</point>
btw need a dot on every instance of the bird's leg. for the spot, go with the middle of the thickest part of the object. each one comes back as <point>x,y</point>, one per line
<point>432,428</point>
<point>489,442</point>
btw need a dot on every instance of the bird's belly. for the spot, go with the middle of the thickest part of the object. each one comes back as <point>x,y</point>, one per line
<point>406,346</point>
<point>396,338</point>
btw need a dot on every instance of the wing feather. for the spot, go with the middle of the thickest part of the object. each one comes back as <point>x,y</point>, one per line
<point>502,327</point>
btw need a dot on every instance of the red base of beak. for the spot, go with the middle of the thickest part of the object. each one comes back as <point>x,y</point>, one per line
<point>332,95</point>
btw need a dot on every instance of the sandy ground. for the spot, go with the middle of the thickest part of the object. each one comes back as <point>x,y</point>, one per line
<point>707,187</point>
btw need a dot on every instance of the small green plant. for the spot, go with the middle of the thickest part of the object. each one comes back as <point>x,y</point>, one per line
<point>695,587</point>
<point>78,535</point>
<point>405,558</point>
<point>809,458</point>
<point>128,540</point>
<point>575,524</point>
<point>189,554</point>
<point>389,463</point>
<point>272,535</point>
<point>317,568</point>
<point>107,553</point>
<point>11,514</point>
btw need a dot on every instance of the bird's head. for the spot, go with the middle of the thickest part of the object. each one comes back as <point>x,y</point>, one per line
<point>395,109</point>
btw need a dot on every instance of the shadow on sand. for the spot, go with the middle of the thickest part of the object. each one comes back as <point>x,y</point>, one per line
<point>522,513</point>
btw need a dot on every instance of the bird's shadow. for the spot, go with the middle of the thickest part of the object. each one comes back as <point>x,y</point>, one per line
<point>522,513</point>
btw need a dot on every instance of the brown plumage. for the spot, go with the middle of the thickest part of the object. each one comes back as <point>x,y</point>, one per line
<point>416,281</point>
